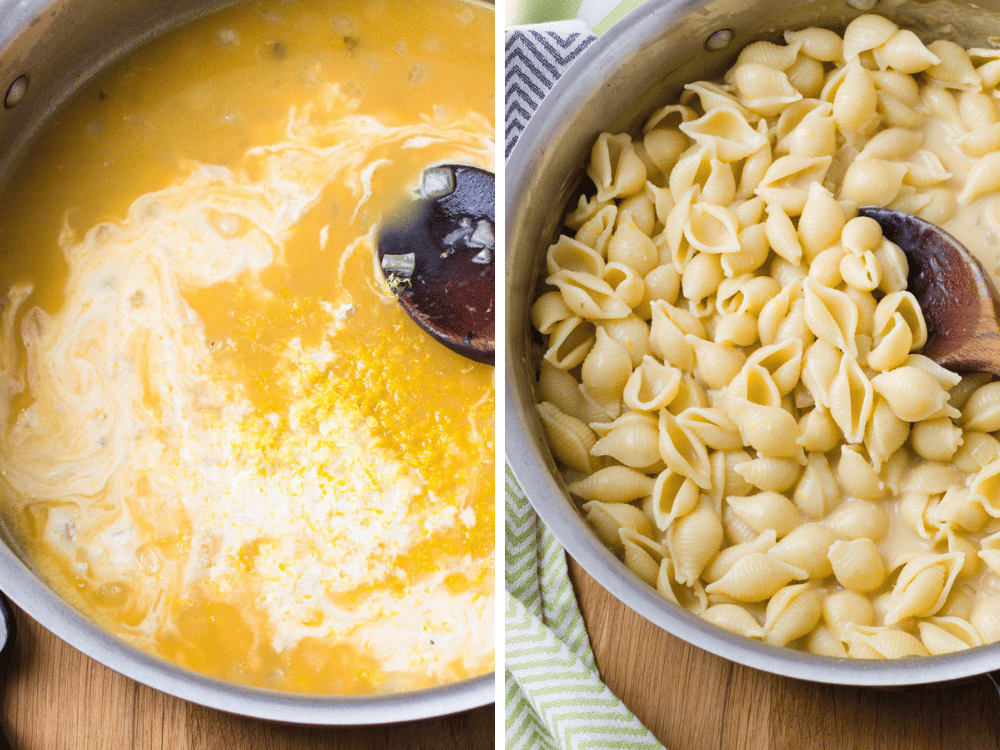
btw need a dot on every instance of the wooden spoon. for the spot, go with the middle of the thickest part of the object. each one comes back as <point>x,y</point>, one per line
<point>437,254</point>
<point>960,303</point>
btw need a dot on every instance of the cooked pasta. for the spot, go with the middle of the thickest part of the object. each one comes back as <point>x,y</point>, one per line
<point>731,378</point>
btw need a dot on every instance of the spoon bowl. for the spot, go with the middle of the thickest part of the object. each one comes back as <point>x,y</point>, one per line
<point>960,303</point>
<point>437,254</point>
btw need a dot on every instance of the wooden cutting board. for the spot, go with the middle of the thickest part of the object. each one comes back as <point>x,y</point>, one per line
<point>60,699</point>
<point>694,700</point>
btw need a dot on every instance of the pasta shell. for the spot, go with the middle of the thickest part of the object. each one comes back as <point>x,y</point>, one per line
<point>866,32</point>
<point>895,267</point>
<point>613,484</point>
<point>651,386</point>
<point>831,315</point>
<point>665,146</point>
<point>701,277</point>
<point>882,643</point>
<point>682,451</point>
<point>862,273</point>
<point>904,51</point>
<point>754,167</point>
<point>855,102</point>
<point>872,182</point>
<point>642,555</point>
<point>791,613</point>
<point>807,76</point>
<point>885,433</point>
<point>563,390</point>
<point>662,284</point>
<point>715,364</point>
<point>892,143</point>
<point>626,284</point>
<point>922,586</point>
<point>903,87</point>
<point>588,296</point>
<point>630,246</point>
<point>570,255</point>
<point>947,635</point>
<point>607,519</point>
<point>912,394</point>
<point>806,547</point>
<point>728,129</point>
<point>977,451</point>
<point>755,577</point>
<point>786,182</point>
<point>673,496</point>
<point>844,608</point>
<point>782,236</point>
<point>548,311</point>
<point>667,340</point>
<point>820,365</point>
<point>770,474</point>
<point>569,343</point>
<point>857,519</point>
<point>691,598</point>
<point>821,221</point>
<point>693,541</point>
<point>766,510</point>
<point>823,642</point>
<point>586,209</point>
<point>570,439</point>
<point>736,329</point>
<point>986,485</point>
<point>712,95</point>
<point>615,168</point>
<point>818,433</point>
<point>857,564</point>
<point>735,619</point>
<point>985,617</point>
<point>723,561</point>
<point>632,441</point>
<point>605,372</point>
<point>936,439</point>
<point>955,69</point>
<point>982,410</point>
<point>633,334</point>
<point>712,229</point>
<point>595,234</point>
<point>669,116</point>
<point>851,399</point>
<point>753,241</point>
<point>763,89</point>
<point>777,56</point>
<point>712,426</point>
<point>959,507</point>
<point>820,44</point>
<point>770,430</point>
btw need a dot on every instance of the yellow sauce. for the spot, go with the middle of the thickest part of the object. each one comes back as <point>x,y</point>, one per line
<point>223,439</point>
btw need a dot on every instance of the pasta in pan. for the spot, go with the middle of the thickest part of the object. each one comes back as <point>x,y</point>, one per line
<point>732,381</point>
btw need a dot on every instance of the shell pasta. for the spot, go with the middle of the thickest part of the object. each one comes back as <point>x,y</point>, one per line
<point>730,374</point>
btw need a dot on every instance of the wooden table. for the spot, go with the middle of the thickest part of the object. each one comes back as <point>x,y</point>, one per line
<point>59,699</point>
<point>693,700</point>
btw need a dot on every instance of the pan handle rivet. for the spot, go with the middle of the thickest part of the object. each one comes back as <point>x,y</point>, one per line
<point>16,92</point>
<point>719,40</point>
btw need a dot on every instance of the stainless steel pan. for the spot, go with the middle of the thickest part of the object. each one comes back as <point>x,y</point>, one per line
<point>47,49</point>
<point>641,63</point>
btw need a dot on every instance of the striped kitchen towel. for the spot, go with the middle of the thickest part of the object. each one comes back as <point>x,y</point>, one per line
<point>599,15</point>
<point>554,697</point>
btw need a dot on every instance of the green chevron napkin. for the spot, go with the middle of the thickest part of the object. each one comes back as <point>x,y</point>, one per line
<point>554,697</point>
<point>599,15</point>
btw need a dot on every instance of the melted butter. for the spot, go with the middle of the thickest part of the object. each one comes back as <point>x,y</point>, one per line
<point>225,440</point>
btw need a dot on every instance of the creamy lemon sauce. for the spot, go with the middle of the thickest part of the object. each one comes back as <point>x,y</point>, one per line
<point>224,440</point>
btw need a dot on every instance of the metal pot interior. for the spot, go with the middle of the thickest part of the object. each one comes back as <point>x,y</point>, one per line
<point>640,64</point>
<point>57,46</point>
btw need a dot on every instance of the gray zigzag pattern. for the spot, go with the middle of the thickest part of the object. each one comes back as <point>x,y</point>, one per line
<point>534,61</point>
